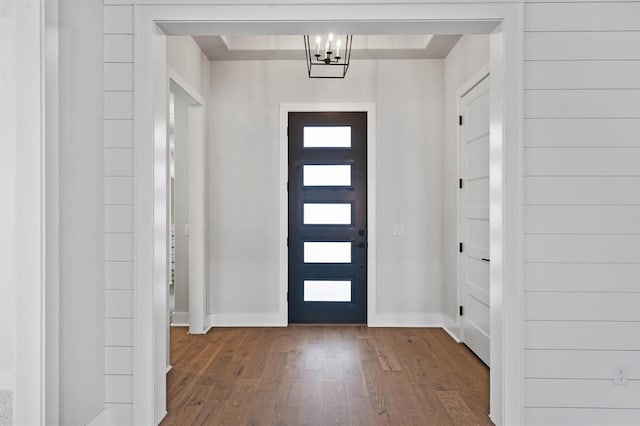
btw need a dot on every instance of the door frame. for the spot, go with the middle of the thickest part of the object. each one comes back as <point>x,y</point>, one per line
<point>198,323</point>
<point>285,109</point>
<point>506,190</point>
<point>467,86</point>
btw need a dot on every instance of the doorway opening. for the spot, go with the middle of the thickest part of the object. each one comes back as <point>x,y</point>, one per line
<point>327,240</point>
<point>506,224</point>
<point>186,272</point>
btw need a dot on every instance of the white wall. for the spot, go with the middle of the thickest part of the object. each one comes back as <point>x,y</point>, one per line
<point>467,57</point>
<point>82,215</point>
<point>243,162</point>
<point>582,220</point>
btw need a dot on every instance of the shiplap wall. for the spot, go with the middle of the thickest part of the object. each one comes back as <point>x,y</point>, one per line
<point>118,204</point>
<point>582,213</point>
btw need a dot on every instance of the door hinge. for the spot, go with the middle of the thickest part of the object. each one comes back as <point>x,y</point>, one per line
<point>460,247</point>
<point>287,241</point>
<point>287,131</point>
<point>287,186</point>
<point>460,183</point>
<point>461,309</point>
<point>460,120</point>
<point>287,297</point>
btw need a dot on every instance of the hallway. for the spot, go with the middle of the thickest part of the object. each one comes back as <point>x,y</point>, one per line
<point>324,375</point>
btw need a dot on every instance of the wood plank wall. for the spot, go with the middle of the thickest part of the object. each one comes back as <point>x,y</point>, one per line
<point>582,212</point>
<point>118,204</point>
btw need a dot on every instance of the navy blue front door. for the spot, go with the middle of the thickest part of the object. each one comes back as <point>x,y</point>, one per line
<point>327,217</point>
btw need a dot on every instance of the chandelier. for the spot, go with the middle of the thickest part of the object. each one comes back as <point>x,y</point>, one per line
<point>329,57</point>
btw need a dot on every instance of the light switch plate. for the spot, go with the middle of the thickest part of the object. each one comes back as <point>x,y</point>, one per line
<point>398,229</point>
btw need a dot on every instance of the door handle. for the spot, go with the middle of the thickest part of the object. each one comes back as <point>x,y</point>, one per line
<point>361,245</point>
<point>486,260</point>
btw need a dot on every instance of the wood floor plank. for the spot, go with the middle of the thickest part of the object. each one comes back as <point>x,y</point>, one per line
<point>324,375</point>
<point>334,400</point>
<point>386,354</point>
<point>403,400</point>
<point>361,412</point>
<point>432,408</point>
<point>457,409</point>
<point>260,411</point>
<point>310,412</point>
<point>288,403</point>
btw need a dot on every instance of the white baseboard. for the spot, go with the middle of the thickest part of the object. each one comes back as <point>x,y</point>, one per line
<point>452,327</point>
<point>114,414</point>
<point>408,319</point>
<point>180,319</point>
<point>246,320</point>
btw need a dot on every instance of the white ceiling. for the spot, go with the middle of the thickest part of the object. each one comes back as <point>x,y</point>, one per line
<point>291,47</point>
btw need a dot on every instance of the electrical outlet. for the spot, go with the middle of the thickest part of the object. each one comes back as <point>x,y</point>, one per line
<point>620,375</point>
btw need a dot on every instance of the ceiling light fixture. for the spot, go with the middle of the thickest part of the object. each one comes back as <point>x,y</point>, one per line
<point>324,61</point>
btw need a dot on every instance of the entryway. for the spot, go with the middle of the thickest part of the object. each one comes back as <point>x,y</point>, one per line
<point>505,218</point>
<point>327,240</point>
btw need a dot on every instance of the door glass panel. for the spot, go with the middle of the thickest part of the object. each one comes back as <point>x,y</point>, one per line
<point>327,214</point>
<point>326,175</point>
<point>327,291</point>
<point>327,252</point>
<point>327,137</point>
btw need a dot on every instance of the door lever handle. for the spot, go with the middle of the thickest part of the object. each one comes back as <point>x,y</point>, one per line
<point>486,260</point>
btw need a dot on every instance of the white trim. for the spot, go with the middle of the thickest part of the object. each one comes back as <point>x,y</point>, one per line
<point>197,223</point>
<point>452,327</point>
<point>184,85</point>
<point>406,319</point>
<point>451,333</point>
<point>30,173</point>
<point>465,88</point>
<point>8,195</point>
<point>52,213</point>
<point>150,248</point>
<point>197,320</point>
<point>370,109</point>
<point>245,320</point>
<point>180,319</point>
<point>506,189</point>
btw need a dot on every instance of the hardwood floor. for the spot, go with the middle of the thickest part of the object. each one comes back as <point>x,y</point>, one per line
<point>324,375</point>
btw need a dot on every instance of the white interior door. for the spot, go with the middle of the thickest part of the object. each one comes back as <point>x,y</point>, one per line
<point>474,219</point>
